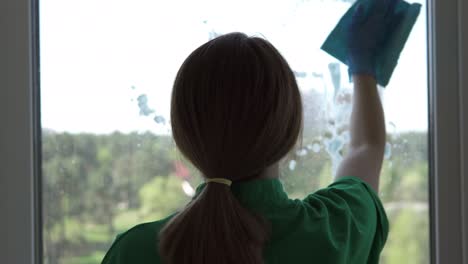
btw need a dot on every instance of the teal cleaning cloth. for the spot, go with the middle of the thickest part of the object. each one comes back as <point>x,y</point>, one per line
<point>396,37</point>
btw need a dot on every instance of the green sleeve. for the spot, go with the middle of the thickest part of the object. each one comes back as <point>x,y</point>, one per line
<point>355,218</point>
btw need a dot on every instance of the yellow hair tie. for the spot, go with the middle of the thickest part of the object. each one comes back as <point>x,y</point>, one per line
<point>220,180</point>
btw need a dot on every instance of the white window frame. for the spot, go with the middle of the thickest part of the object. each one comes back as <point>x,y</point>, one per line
<point>20,211</point>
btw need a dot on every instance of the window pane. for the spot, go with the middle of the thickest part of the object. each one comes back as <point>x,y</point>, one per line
<point>109,161</point>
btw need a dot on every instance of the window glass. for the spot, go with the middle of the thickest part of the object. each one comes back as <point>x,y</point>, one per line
<point>109,161</point>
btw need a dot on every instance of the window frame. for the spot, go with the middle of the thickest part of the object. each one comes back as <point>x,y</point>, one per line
<point>20,138</point>
<point>448,129</point>
<point>20,196</point>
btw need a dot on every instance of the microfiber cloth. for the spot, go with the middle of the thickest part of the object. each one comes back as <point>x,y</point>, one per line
<point>405,13</point>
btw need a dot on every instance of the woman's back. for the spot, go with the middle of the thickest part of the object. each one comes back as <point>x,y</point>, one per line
<point>343,223</point>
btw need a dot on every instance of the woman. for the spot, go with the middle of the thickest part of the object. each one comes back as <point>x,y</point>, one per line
<point>236,111</point>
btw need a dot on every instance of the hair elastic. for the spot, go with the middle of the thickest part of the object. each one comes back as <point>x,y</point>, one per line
<point>219,180</point>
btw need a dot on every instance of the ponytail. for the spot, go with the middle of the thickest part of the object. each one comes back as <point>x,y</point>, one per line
<point>236,109</point>
<point>214,228</point>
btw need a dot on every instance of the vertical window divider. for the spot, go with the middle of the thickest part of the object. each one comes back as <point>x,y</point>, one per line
<point>447,121</point>
<point>36,133</point>
<point>18,201</point>
<point>463,99</point>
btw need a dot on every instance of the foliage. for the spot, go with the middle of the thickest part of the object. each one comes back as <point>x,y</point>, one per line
<point>161,197</point>
<point>96,186</point>
<point>402,247</point>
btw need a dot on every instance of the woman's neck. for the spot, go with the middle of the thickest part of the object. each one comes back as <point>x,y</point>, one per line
<point>271,172</point>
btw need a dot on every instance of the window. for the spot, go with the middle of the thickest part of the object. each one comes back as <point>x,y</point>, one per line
<point>21,183</point>
<point>108,159</point>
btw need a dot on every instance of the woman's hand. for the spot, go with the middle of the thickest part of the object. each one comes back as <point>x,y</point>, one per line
<point>366,34</point>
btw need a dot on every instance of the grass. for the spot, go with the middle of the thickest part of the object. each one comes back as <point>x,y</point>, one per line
<point>126,219</point>
<point>93,258</point>
<point>97,234</point>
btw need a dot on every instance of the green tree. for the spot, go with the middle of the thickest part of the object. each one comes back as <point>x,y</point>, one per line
<point>408,241</point>
<point>161,197</point>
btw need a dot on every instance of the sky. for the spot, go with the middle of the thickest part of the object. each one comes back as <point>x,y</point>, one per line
<point>98,56</point>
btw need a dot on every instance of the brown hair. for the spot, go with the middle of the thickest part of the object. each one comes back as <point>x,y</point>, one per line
<point>236,109</point>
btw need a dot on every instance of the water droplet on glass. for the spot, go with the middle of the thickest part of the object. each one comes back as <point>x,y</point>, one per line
<point>292,165</point>
<point>188,189</point>
<point>145,110</point>
<point>300,74</point>
<point>317,74</point>
<point>328,135</point>
<point>333,148</point>
<point>159,119</point>
<point>335,145</point>
<point>301,152</point>
<point>316,148</point>
<point>346,136</point>
<point>388,151</point>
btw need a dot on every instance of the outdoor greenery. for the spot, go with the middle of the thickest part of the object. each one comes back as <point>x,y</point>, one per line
<point>97,186</point>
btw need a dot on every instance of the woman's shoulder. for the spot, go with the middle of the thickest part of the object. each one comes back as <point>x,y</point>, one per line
<point>141,233</point>
<point>136,245</point>
<point>352,213</point>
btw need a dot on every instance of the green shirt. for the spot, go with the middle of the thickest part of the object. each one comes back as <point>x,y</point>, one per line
<point>343,223</point>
